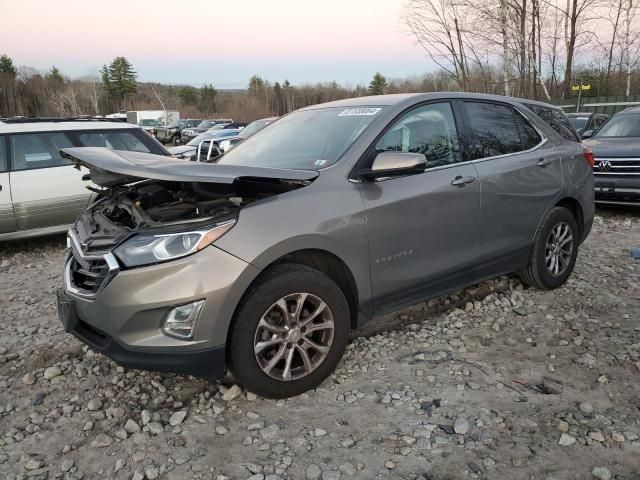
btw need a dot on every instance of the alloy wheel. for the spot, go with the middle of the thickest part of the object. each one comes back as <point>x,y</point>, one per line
<point>294,336</point>
<point>559,249</point>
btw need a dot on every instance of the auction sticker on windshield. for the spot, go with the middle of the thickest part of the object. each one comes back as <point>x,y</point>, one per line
<point>359,112</point>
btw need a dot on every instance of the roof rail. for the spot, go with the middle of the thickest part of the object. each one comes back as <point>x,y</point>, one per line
<point>79,118</point>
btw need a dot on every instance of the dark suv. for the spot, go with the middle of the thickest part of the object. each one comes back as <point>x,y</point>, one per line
<point>587,123</point>
<point>265,260</point>
<point>616,147</point>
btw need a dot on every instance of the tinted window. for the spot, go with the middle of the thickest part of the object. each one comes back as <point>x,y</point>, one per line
<point>493,130</point>
<point>578,122</point>
<point>115,140</point>
<point>38,150</point>
<point>529,136</point>
<point>430,130</point>
<point>3,154</point>
<point>557,120</point>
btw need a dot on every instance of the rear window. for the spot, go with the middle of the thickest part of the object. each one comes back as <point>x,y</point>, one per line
<point>38,150</point>
<point>557,120</point>
<point>494,130</point>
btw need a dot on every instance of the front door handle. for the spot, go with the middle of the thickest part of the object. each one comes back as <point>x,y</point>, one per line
<point>460,181</point>
<point>543,162</point>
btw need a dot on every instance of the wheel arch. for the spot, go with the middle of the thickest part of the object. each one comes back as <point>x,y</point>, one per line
<point>574,207</point>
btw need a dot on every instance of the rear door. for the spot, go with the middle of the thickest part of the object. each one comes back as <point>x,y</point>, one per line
<point>7,218</point>
<point>520,177</point>
<point>46,189</point>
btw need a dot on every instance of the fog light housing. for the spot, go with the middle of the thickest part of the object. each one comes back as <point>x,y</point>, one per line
<point>181,321</point>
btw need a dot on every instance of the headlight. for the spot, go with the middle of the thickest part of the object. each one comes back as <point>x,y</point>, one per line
<point>145,249</point>
<point>224,145</point>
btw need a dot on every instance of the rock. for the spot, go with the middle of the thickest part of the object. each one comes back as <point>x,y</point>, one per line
<point>251,397</point>
<point>232,393</point>
<point>29,379</point>
<point>272,432</point>
<point>155,428</point>
<point>151,472</point>
<point>137,475</point>
<point>586,408</point>
<point>119,465</point>
<point>138,456</point>
<point>256,425</point>
<point>181,459</point>
<point>145,416</point>
<point>331,475</point>
<point>33,464</point>
<point>347,469</point>
<point>66,464</point>
<point>256,476</point>
<point>313,472</point>
<point>220,430</point>
<point>461,426</point>
<point>566,440</point>
<point>597,436</point>
<point>601,473</point>
<point>94,404</point>
<point>617,437</point>
<point>52,372</point>
<point>389,464</point>
<point>177,418</point>
<point>102,441</point>
<point>319,432</point>
<point>131,426</point>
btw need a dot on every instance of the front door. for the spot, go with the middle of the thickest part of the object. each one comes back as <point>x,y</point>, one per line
<point>422,228</point>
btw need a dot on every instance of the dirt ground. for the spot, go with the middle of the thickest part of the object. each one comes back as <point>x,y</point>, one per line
<point>496,382</point>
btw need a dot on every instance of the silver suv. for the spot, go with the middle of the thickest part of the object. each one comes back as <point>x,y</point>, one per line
<point>264,261</point>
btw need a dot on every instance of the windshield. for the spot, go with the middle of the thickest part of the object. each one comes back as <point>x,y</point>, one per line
<point>578,122</point>
<point>206,124</point>
<point>213,134</point>
<point>148,122</point>
<point>621,126</point>
<point>254,127</point>
<point>305,140</point>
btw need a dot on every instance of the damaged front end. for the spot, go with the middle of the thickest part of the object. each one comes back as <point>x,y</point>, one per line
<point>151,209</point>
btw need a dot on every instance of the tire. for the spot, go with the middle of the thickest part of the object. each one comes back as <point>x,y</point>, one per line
<point>261,314</point>
<point>541,273</point>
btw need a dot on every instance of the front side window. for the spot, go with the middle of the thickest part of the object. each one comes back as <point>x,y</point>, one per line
<point>429,130</point>
<point>493,130</point>
<point>304,140</point>
<point>38,150</point>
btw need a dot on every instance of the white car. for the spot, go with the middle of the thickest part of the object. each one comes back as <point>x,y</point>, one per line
<point>41,193</point>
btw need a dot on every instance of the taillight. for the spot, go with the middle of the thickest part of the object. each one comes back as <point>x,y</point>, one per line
<point>588,156</point>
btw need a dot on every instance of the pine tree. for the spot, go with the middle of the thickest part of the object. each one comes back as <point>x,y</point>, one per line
<point>188,95</point>
<point>6,65</point>
<point>54,77</point>
<point>207,99</point>
<point>119,78</point>
<point>256,86</point>
<point>378,86</point>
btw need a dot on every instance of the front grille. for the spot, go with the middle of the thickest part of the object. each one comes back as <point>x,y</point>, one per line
<point>617,166</point>
<point>88,275</point>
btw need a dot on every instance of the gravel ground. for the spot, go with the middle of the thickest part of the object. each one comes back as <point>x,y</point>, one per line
<point>496,382</point>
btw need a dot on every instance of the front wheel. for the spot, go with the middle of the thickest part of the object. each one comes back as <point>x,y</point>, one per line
<point>554,252</point>
<point>290,332</point>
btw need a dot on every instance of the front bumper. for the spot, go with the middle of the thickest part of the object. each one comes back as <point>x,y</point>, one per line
<point>124,320</point>
<point>612,189</point>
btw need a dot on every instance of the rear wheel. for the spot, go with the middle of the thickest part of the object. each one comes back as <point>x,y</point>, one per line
<point>289,333</point>
<point>554,251</point>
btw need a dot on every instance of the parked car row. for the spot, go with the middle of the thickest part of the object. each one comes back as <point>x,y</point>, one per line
<point>171,133</point>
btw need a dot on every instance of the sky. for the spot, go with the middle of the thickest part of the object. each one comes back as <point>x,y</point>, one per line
<point>222,42</point>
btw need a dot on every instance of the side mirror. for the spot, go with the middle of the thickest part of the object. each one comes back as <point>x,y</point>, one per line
<point>588,134</point>
<point>393,164</point>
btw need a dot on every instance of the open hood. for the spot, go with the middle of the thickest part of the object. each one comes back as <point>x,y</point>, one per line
<point>109,168</point>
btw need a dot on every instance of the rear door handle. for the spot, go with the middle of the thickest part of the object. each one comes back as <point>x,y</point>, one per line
<point>543,162</point>
<point>460,181</point>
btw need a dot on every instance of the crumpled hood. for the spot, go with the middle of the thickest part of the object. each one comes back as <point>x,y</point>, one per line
<point>614,146</point>
<point>109,168</point>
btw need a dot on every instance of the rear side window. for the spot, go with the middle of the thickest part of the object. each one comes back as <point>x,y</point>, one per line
<point>38,150</point>
<point>528,135</point>
<point>557,120</point>
<point>430,130</point>
<point>3,154</point>
<point>493,130</point>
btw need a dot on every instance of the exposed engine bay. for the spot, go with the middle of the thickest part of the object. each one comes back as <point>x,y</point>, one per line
<point>151,204</point>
